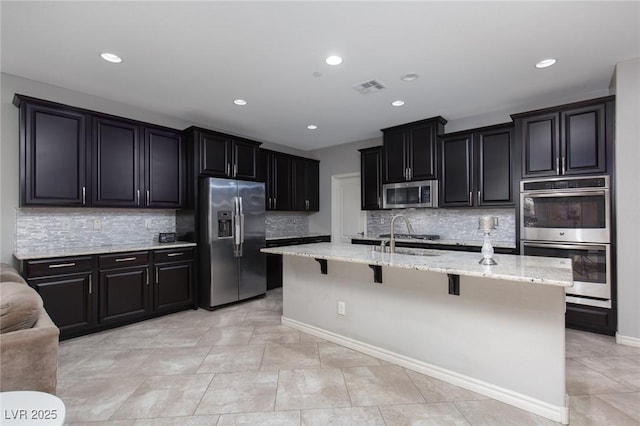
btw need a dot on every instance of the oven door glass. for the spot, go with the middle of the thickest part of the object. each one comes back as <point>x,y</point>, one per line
<point>591,275</point>
<point>581,216</point>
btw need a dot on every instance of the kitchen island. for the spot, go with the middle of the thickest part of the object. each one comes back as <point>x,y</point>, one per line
<point>496,330</point>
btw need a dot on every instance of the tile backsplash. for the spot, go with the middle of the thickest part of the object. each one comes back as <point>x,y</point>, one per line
<point>284,224</point>
<point>450,224</point>
<point>86,227</point>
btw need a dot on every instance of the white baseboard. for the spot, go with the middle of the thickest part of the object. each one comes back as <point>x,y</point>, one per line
<point>532,405</point>
<point>627,340</point>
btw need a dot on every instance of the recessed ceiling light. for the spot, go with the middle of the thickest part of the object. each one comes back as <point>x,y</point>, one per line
<point>111,57</point>
<point>399,102</point>
<point>240,102</point>
<point>333,60</point>
<point>312,127</point>
<point>409,77</point>
<point>546,63</point>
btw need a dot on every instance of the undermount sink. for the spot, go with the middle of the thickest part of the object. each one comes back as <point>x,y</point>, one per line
<point>410,251</point>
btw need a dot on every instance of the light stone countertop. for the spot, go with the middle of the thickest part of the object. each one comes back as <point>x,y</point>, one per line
<point>525,269</point>
<point>49,252</point>
<point>465,243</point>
<point>288,236</point>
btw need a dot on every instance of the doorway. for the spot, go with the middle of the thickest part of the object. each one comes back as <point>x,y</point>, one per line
<point>347,220</point>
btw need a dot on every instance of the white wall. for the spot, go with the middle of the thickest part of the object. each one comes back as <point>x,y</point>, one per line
<point>627,158</point>
<point>335,160</point>
<point>9,146</point>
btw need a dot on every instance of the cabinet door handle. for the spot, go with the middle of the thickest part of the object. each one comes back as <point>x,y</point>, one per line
<point>126,259</point>
<point>470,197</point>
<point>235,170</point>
<point>269,202</point>
<point>84,195</point>
<point>306,204</point>
<point>62,265</point>
<point>228,169</point>
<point>90,284</point>
<point>564,165</point>
<point>148,197</point>
<point>137,197</point>
<point>410,173</point>
<point>557,166</point>
<point>146,273</point>
<point>157,269</point>
<point>478,198</point>
<point>275,203</point>
<point>406,173</point>
<point>175,254</point>
<point>379,202</point>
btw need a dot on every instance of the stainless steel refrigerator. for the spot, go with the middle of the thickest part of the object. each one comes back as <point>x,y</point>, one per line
<point>232,268</point>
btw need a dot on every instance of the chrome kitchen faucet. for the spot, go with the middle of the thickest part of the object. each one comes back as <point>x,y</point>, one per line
<point>392,241</point>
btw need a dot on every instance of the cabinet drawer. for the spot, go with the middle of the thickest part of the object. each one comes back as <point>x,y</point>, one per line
<point>124,260</point>
<point>58,266</point>
<point>175,255</point>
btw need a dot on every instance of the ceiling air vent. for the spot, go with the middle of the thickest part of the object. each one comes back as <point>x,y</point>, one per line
<point>368,87</point>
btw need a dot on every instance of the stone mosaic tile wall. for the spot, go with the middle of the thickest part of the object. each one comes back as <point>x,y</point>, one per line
<point>450,224</point>
<point>68,227</point>
<point>284,224</point>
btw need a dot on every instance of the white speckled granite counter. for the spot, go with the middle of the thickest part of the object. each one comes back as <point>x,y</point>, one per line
<point>465,243</point>
<point>527,269</point>
<point>289,236</point>
<point>40,253</point>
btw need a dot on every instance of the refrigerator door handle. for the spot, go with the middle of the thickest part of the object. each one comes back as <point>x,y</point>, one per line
<point>241,220</point>
<point>236,223</point>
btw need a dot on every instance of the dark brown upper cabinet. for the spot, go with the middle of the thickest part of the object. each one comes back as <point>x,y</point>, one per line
<point>53,155</point>
<point>75,157</point>
<point>570,139</point>
<point>116,151</point>
<point>291,182</point>
<point>225,156</point>
<point>165,159</point>
<point>371,178</point>
<point>410,151</point>
<point>305,184</point>
<point>477,167</point>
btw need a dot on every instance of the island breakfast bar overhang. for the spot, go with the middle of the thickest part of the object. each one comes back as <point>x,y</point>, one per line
<point>502,335</point>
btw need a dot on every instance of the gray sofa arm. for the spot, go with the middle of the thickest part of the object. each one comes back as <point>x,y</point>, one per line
<point>29,357</point>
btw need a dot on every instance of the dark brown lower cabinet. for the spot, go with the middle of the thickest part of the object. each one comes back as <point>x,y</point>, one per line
<point>590,318</point>
<point>173,277</point>
<point>124,294</point>
<point>86,294</point>
<point>59,292</point>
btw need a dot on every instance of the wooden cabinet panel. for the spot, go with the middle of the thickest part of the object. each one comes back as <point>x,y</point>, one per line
<point>395,162</point>
<point>173,289</point>
<point>569,139</point>
<point>281,175</point>
<point>69,301</point>
<point>423,160</point>
<point>215,155</point>
<point>584,140</point>
<point>165,169</point>
<point>477,167</point>
<point>124,294</point>
<point>116,163</point>
<point>53,155</point>
<point>494,159</point>
<point>245,160</point>
<point>456,171</point>
<point>410,151</point>
<point>371,178</point>
<point>305,183</point>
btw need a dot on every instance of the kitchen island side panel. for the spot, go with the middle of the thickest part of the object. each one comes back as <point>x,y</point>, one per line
<point>505,334</point>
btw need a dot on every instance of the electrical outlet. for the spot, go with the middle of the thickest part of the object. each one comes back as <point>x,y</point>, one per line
<point>66,223</point>
<point>147,223</point>
<point>97,224</point>
<point>341,308</point>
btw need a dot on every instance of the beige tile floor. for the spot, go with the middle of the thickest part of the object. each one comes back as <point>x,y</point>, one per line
<point>239,366</point>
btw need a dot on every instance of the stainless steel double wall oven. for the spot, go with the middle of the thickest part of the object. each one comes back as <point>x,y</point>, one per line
<point>571,217</point>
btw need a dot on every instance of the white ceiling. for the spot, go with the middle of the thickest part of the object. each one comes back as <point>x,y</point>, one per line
<point>190,60</point>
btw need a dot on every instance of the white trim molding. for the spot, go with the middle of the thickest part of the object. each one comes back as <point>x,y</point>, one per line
<point>532,405</point>
<point>627,340</point>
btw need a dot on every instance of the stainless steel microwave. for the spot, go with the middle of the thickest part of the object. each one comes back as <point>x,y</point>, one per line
<point>422,193</point>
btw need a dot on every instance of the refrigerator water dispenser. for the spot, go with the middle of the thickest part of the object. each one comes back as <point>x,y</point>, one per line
<point>225,224</point>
